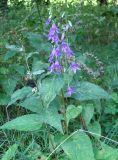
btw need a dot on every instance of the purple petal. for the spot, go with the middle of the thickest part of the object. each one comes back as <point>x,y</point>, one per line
<point>74,66</point>
<point>66,49</point>
<point>48,21</point>
<point>55,67</point>
<point>70,91</point>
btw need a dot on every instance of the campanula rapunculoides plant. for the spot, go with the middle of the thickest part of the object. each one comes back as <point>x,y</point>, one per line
<point>62,57</point>
<point>61,102</point>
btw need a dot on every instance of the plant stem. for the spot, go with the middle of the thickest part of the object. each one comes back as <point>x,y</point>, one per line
<point>64,114</point>
<point>84,125</point>
<point>51,141</point>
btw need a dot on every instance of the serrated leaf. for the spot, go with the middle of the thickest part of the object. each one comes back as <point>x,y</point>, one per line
<point>72,112</point>
<point>30,122</point>
<point>50,88</point>
<point>33,103</point>
<point>10,153</point>
<point>79,147</point>
<point>89,91</point>
<point>20,94</point>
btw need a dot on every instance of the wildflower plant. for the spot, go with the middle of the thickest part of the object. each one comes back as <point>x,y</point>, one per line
<point>58,98</point>
<point>62,57</point>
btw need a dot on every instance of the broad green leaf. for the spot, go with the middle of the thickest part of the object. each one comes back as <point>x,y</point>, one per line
<point>72,112</point>
<point>20,94</point>
<point>95,128</point>
<point>38,67</point>
<point>10,153</point>
<point>106,153</point>
<point>89,91</point>
<point>18,68</point>
<point>79,147</point>
<point>4,99</point>
<point>33,122</point>
<point>33,103</point>
<point>9,55</point>
<point>8,84</point>
<point>51,116</point>
<point>38,42</point>
<point>88,111</point>
<point>30,122</point>
<point>50,88</point>
<point>68,77</point>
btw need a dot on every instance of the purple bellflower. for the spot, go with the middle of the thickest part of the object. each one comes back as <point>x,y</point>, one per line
<point>74,67</point>
<point>70,91</point>
<point>55,53</point>
<point>55,67</point>
<point>66,49</point>
<point>48,21</point>
<point>53,34</point>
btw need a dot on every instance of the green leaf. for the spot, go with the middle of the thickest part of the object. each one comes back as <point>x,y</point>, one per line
<point>53,118</point>
<point>88,112</point>
<point>30,122</point>
<point>38,67</point>
<point>18,68</point>
<point>95,128</point>
<point>10,153</point>
<point>50,88</point>
<point>72,112</point>
<point>33,122</point>
<point>20,94</point>
<point>35,40</point>
<point>8,84</point>
<point>38,42</point>
<point>9,55</point>
<point>4,99</point>
<point>106,153</point>
<point>33,103</point>
<point>89,91</point>
<point>79,147</point>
